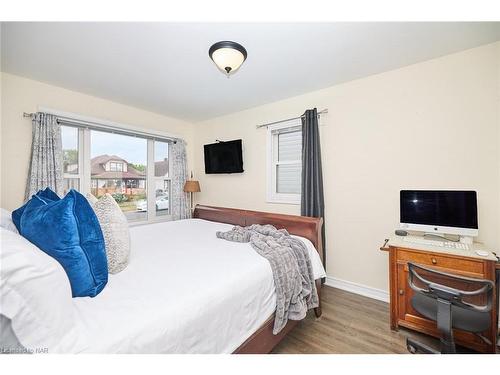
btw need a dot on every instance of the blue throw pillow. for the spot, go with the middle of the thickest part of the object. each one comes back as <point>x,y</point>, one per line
<point>46,194</point>
<point>68,230</point>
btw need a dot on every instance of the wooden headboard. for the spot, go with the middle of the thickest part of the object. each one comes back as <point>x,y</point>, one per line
<point>308,227</point>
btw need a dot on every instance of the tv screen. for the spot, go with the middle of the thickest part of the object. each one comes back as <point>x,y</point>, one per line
<point>439,208</point>
<point>224,157</point>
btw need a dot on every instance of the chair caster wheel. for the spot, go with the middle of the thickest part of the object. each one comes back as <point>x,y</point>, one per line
<point>411,349</point>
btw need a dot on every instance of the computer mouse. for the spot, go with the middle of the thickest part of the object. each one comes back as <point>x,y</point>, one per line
<point>482,253</point>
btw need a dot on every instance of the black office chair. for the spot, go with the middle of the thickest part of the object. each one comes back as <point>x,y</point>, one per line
<point>453,302</point>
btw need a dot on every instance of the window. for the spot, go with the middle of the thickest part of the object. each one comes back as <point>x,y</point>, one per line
<point>133,169</point>
<point>284,163</point>
<point>108,154</point>
<point>161,178</point>
<point>114,166</point>
<point>71,158</point>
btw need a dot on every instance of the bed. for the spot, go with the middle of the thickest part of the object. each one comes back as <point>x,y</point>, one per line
<point>308,228</point>
<point>201,294</point>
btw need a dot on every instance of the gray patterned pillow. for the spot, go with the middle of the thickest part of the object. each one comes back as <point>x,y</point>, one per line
<point>115,229</point>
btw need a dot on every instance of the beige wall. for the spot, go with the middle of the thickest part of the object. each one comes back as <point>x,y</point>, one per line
<point>433,125</point>
<point>24,95</point>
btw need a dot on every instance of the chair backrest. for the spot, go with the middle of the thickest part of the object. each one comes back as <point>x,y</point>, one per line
<point>470,293</point>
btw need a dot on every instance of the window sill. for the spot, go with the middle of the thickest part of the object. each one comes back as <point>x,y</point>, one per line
<point>146,222</point>
<point>283,201</point>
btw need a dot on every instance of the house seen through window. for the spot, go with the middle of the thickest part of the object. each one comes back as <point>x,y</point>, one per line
<point>118,164</point>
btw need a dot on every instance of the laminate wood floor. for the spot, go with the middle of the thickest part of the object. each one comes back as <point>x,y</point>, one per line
<point>350,324</point>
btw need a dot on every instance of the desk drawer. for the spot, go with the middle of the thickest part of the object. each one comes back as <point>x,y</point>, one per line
<point>462,265</point>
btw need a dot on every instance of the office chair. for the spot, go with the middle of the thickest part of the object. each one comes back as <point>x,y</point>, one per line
<point>452,302</point>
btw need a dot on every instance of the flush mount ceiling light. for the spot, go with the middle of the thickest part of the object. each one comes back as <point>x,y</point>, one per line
<point>228,56</point>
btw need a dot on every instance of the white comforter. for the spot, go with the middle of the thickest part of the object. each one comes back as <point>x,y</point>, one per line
<point>184,291</point>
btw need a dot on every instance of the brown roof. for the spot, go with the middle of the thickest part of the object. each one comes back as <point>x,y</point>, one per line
<point>161,167</point>
<point>97,169</point>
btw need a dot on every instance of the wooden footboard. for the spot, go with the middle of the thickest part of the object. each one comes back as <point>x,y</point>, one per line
<point>263,341</point>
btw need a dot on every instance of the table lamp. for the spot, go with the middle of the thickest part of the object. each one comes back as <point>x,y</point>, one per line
<point>192,186</point>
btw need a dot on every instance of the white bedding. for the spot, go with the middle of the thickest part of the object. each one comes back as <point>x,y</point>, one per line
<point>184,291</point>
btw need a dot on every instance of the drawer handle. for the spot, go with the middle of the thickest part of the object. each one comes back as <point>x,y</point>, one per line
<point>434,261</point>
<point>401,292</point>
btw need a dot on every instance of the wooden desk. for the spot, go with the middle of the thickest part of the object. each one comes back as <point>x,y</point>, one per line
<point>459,262</point>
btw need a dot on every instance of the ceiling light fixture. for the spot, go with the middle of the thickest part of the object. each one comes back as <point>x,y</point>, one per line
<point>228,56</point>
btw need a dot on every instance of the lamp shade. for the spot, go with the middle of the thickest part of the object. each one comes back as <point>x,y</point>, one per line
<point>192,186</point>
<point>228,56</point>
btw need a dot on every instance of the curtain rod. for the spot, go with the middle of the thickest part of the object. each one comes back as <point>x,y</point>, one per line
<point>109,128</point>
<point>323,111</point>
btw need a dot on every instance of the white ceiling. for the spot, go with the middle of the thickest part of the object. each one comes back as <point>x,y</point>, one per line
<point>165,68</point>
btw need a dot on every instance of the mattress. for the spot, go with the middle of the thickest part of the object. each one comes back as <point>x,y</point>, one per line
<point>184,291</point>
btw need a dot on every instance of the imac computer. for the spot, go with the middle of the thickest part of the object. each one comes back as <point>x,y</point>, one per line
<point>440,212</point>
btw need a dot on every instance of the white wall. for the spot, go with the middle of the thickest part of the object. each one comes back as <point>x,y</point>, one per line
<point>433,125</point>
<point>24,95</point>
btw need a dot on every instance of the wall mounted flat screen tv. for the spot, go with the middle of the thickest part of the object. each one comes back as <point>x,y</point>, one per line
<point>223,157</point>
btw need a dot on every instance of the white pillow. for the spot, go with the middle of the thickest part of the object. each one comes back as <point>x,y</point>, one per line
<point>35,295</point>
<point>114,226</point>
<point>6,220</point>
<point>92,199</point>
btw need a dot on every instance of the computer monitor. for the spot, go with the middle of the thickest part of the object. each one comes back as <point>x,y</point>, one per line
<point>439,211</point>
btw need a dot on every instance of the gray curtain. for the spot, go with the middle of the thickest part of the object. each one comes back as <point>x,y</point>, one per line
<point>46,166</point>
<point>312,200</point>
<point>180,200</point>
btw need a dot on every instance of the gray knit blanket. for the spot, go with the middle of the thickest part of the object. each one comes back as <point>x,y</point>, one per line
<point>291,266</point>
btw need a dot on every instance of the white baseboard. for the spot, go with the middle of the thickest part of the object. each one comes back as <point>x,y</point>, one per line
<point>360,289</point>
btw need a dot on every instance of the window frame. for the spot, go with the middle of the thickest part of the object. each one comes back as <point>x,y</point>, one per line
<point>273,131</point>
<point>85,178</point>
<point>77,176</point>
<point>154,179</point>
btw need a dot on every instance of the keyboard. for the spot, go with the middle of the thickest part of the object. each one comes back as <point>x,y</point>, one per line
<point>447,244</point>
